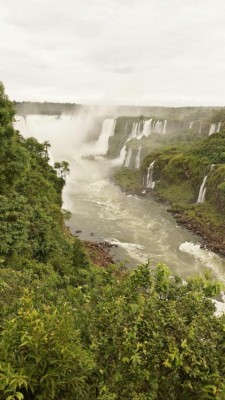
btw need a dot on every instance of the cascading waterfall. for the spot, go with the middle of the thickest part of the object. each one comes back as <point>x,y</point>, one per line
<point>149,182</point>
<point>160,126</point>
<point>108,128</point>
<point>212,129</point>
<point>200,128</point>
<point>121,159</point>
<point>62,130</point>
<point>202,191</point>
<point>21,124</point>
<point>218,127</point>
<point>138,158</point>
<point>139,130</point>
<point>134,131</point>
<point>147,128</point>
<point>128,158</point>
<point>191,125</point>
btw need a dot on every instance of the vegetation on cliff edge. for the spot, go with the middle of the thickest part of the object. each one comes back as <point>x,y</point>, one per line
<point>72,330</point>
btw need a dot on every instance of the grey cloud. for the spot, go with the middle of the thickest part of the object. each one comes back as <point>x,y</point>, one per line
<point>139,51</point>
<point>124,69</point>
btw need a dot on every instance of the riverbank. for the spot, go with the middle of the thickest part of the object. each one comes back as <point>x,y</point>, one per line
<point>99,253</point>
<point>201,219</point>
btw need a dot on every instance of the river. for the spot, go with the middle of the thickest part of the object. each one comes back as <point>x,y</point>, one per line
<point>141,229</point>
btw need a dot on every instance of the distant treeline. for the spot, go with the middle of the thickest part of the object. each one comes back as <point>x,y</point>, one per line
<point>179,113</point>
<point>46,108</point>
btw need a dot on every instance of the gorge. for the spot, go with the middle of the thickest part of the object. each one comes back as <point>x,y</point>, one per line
<point>73,328</point>
<point>139,229</point>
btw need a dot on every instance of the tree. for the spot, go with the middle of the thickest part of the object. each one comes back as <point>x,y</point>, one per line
<point>62,168</point>
<point>46,145</point>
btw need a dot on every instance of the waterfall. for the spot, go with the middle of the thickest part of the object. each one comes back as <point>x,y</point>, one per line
<point>121,159</point>
<point>108,128</point>
<point>218,127</point>
<point>191,125</point>
<point>212,129</point>
<point>138,158</point>
<point>147,128</point>
<point>158,127</point>
<point>77,129</point>
<point>149,182</point>
<point>139,130</point>
<point>202,191</point>
<point>164,127</point>
<point>134,131</point>
<point>128,158</point>
<point>153,127</point>
<point>21,125</point>
<point>200,128</point>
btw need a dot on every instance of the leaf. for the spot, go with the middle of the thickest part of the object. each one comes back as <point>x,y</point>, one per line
<point>167,364</point>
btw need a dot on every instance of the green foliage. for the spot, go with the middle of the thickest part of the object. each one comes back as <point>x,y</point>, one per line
<point>154,337</point>
<point>213,148</point>
<point>72,330</point>
<point>221,187</point>
<point>42,356</point>
<point>14,224</point>
<point>129,180</point>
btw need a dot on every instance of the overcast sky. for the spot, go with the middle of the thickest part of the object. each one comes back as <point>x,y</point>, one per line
<point>144,52</point>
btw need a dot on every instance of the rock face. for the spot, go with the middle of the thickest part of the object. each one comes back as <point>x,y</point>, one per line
<point>99,253</point>
<point>213,240</point>
<point>191,178</point>
<point>130,131</point>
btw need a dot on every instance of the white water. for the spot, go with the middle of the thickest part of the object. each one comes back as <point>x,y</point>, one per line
<point>158,127</point>
<point>138,158</point>
<point>218,127</point>
<point>149,181</point>
<point>191,125</point>
<point>66,132</point>
<point>147,128</point>
<point>135,130</point>
<point>122,156</point>
<point>212,129</point>
<point>141,228</point>
<point>210,260</point>
<point>128,158</point>
<point>202,191</point>
<point>108,128</point>
<point>164,127</point>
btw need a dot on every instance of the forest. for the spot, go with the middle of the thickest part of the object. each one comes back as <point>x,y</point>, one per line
<point>73,330</point>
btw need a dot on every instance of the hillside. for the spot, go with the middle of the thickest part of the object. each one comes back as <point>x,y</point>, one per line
<point>71,330</point>
<point>172,168</point>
